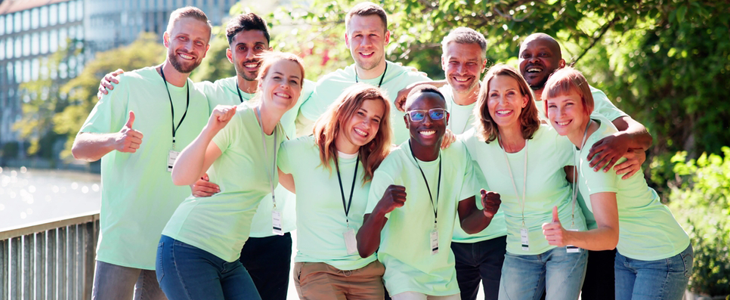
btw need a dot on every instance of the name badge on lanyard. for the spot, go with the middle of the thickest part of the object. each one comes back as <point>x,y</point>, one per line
<point>350,241</point>
<point>571,248</point>
<point>276,222</point>
<point>435,239</point>
<point>524,239</point>
<point>171,158</point>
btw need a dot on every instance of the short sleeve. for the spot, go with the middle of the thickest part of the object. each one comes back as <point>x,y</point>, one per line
<point>313,107</point>
<point>283,161</point>
<point>469,183</point>
<point>225,137</point>
<point>605,107</point>
<point>599,181</point>
<point>381,182</point>
<point>110,113</point>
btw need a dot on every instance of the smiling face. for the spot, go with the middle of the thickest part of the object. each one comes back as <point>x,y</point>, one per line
<point>427,132</point>
<point>187,44</point>
<point>364,124</point>
<point>539,57</point>
<point>366,38</point>
<point>281,84</point>
<point>505,101</point>
<point>463,64</point>
<point>244,52</point>
<point>567,113</point>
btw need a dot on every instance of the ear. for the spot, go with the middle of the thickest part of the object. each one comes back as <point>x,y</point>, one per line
<point>405,119</point>
<point>448,117</point>
<point>229,54</point>
<point>387,37</point>
<point>443,62</point>
<point>561,63</point>
<point>347,41</point>
<point>484,65</point>
<point>525,100</point>
<point>166,39</point>
<point>206,50</point>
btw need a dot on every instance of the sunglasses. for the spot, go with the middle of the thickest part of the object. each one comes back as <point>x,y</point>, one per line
<point>434,114</point>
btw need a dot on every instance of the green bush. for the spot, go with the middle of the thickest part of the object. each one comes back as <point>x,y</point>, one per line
<point>701,202</point>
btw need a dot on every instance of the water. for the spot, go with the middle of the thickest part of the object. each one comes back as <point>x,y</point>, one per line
<point>29,196</point>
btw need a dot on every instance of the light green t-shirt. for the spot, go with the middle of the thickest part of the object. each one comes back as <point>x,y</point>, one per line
<point>647,229</point>
<point>602,107</point>
<point>320,212</point>
<point>461,120</point>
<point>547,154</point>
<point>405,241</point>
<point>330,86</point>
<point>220,224</point>
<point>137,195</point>
<point>225,92</point>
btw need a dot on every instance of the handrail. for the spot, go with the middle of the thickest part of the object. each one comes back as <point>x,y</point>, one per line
<point>48,225</point>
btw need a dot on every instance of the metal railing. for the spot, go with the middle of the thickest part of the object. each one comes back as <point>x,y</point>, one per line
<point>52,260</point>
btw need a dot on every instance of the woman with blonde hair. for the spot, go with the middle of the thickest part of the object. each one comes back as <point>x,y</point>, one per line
<point>524,162</point>
<point>330,172</point>
<point>654,257</point>
<point>198,254</point>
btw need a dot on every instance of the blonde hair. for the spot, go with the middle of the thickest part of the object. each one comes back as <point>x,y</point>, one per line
<point>339,113</point>
<point>485,126</point>
<point>187,12</point>
<point>565,80</point>
<point>365,9</point>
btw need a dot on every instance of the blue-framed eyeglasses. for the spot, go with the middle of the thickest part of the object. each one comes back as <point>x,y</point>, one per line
<point>434,114</point>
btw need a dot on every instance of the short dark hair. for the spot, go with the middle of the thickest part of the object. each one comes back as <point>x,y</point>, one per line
<point>245,22</point>
<point>367,9</point>
<point>422,89</point>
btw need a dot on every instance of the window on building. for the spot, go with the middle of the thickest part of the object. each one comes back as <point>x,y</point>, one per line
<point>71,11</point>
<point>9,48</point>
<point>62,70</point>
<point>80,32</point>
<point>35,69</point>
<point>62,38</point>
<point>54,40</point>
<point>26,44</point>
<point>9,73</point>
<point>79,63</point>
<point>18,47</point>
<point>35,18</point>
<point>80,10</point>
<point>18,71</point>
<point>44,16</point>
<point>18,24</point>
<point>26,71</point>
<point>62,13</point>
<point>35,47</point>
<point>53,17</point>
<point>44,42</point>
<point>8,24</point>
<point>26,20</point>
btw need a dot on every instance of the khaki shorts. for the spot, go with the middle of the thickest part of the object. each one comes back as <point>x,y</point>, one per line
<point>320,281</point>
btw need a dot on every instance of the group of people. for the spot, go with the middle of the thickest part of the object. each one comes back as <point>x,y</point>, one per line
<point>524,181</point>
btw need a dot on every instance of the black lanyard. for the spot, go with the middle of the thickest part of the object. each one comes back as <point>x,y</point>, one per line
<point>172,108</point>
<point>347,205</point>
<point>239,93</point>
<point>381,77</point>
<point>438,187</point>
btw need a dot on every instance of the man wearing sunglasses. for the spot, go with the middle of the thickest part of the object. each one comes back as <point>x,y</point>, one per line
<point>417,227</point>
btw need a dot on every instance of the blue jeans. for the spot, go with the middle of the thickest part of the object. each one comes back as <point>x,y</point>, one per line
<point>480,261</point>
<point>187,272</point>
<point>662,279</point>
<point>524,277</point>
<point>113,282</point>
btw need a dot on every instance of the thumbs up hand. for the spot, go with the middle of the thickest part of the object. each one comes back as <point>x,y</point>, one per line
<point>128,139</point>
<point>554,232</point>
<point>490,202</point>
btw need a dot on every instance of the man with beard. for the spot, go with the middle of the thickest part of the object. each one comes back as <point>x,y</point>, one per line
<point>366,36</point>
<point>539,57</point>
<point>138,196</point>
<point>266,255</point>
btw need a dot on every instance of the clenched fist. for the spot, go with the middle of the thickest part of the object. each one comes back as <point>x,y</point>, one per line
<point>394,197</point>
<point>491,202</point>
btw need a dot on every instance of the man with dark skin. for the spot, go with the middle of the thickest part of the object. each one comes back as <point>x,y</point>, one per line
<point>539,57</point>
<point>405,222</point>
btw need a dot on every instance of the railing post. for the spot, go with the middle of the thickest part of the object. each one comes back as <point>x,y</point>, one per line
<point>51,265</point>
<point>71,263</point>
<point>40,265</point>
<point>4,264</point>
<point>15,267</point>
<point>61,287</point>
<point>79,294</point>
<point>90,254</point>
<point>28,245</point>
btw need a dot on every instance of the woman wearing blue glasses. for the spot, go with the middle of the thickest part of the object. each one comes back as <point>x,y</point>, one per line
<point>524,162</point>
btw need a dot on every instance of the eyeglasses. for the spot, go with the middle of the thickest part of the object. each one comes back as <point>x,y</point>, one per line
<point>434,114</point>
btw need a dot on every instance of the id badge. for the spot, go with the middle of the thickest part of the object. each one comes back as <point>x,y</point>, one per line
<point>525,239</point>
<point>434,241</point>
<point>571,248</point>
<point>171,157</point>
<point>350,241</point>
<point>276,222</point>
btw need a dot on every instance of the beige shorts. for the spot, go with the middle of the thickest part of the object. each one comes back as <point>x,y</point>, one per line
<point>320,281</point>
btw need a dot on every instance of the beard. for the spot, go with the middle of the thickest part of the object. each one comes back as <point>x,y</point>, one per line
<point>370,64</point>
<point>246,74</point>
<point>181,67</point>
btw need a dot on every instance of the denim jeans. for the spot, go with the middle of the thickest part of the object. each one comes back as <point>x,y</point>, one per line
<point>187,272</point>
<point>268,260</point>
<point>480,261</point>
<point>561,274</point>
<point>115,282</point>
<point>662,279</point>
